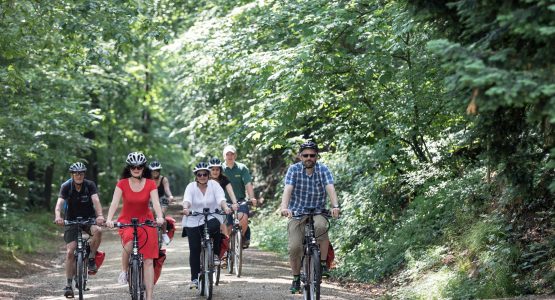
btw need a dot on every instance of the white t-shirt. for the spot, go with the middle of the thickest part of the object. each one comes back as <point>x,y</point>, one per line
<point>212,199</point>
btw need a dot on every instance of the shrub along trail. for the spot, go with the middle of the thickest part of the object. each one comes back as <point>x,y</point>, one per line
<point>266,276</point>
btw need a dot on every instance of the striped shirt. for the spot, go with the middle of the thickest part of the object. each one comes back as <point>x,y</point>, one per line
<point>308,191</point>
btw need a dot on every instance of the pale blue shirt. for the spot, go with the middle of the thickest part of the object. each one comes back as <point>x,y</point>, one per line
<point>308,191</point>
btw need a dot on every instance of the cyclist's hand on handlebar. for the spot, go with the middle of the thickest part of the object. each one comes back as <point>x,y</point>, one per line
<point>286,213</point>
<point>335,212</point>
<point>59,221</point>
<point>235,206</point>
<point>227,210</point>
<point>160,221</point>
<point>186,212</point>
<point>171,199</point>
<point>99,220</point>
<point>253,201</point>
<point>110,224</point>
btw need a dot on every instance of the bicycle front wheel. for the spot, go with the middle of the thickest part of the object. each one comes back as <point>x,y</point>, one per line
<point>315,275</point>
<point>238,249</point>
<point>135,280</point>
<point>80,274</point>
<point>208,271</point>
<point>231,253</point>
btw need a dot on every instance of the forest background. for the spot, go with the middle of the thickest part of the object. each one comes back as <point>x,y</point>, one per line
<point>436,118</point>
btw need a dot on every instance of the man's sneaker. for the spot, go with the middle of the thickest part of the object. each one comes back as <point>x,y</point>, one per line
<point>92,266</point>
<point>295,286</point>
<point>325,270</point>
<point>122,279</point>
<point>166,238</point>
<point>216,261</point>
<point>68,292</point>
<point>246,244</point>
<point>193,284</point>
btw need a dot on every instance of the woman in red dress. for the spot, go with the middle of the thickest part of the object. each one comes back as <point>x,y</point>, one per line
<point>137,190</point>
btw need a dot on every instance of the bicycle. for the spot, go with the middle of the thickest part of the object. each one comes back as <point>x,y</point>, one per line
<point>234,259</point>
<point>311,273</point>
<point>207,270</point>
<point>135,277</point>
<point>81,254</point>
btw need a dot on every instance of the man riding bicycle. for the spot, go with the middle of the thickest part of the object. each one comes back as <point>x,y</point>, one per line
<point>241,182</point>
<point>307,184</point>
<point>80,197</point>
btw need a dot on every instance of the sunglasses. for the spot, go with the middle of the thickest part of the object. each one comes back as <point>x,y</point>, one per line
<point>202,174</point>
<point>137,167</point>
<point>79,173</point>
<point>309,155</point>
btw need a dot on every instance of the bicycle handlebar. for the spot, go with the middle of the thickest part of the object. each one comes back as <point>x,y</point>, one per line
<point>206,213</point>
<point>149,223</point>
<point>90,221</point>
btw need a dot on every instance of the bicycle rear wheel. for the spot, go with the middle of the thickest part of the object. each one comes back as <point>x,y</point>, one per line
<point>231,252</point>
<point>238,249</point>
<point>315,277</point>
<point>80,274</point>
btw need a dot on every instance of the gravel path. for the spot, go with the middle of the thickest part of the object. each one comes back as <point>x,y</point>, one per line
<point>265,276</point>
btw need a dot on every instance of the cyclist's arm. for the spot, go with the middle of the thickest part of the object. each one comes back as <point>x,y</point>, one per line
<point>231,194</point>
<point>187,200</point>
<point>250,192</point>
<point>287,190</point>
<point>330,189</point>
<point>156,205</point>
<point>58,211</point>
<point>113,206</point>
<point>98,209</point>
<point>167,190</point>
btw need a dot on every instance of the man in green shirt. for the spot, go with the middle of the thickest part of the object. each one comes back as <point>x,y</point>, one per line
<point>241,182</point>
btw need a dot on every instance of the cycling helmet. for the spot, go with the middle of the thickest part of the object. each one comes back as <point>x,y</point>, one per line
<point>154,166</point>
<point>77,167</point>
<point>201,166</point>
<point>214,162</point>
<point>308,145</point>
<point>136,159</point>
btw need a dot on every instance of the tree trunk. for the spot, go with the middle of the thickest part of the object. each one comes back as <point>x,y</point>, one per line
<point>48,178</point>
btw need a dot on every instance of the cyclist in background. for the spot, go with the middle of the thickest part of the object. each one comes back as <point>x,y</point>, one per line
<point>164,194</point>
<point>79,197</point>
<point>215,166</point>
<point>307,185</point>
<point>202,193</point>
<point>241,181</point>
<point>137,190</point>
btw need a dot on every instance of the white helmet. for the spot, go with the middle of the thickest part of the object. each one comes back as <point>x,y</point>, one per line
<point>201,166</point>
<point>136,159</point>
<point>155,165</point>
<point>77,167</point>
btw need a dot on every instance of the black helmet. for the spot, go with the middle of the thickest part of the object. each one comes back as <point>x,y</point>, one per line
<point>155,165</point>
<point>77,167</point>
<point>214,162</point>
<point>136,159</point>
<point>201,166</point>
<point>308,145</point>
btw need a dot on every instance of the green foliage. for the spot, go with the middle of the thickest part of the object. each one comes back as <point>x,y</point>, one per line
<point>21,230</point>
<point>270,234</point>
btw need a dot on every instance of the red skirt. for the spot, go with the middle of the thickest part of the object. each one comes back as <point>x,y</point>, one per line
<point>148,240</point>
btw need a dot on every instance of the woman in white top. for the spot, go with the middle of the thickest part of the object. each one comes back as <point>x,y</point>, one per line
<point>200,194</point>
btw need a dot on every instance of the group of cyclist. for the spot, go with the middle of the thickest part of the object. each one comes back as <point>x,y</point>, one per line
<point>217,185</point>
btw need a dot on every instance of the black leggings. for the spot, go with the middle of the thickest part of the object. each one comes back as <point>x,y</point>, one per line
<point>195,236</point>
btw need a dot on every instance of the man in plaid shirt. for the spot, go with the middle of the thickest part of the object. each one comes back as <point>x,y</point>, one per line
<point>307,184</point>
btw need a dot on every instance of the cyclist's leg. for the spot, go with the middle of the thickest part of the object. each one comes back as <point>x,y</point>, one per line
<point>127,248</point>
<point>295,229</point>
<point>70,260</point>
<point>321,231</point>
<point>214,229</point>
<point>243,218</point>
<point>194,236</point>
<point>95,240</point>
<point>148,271</point>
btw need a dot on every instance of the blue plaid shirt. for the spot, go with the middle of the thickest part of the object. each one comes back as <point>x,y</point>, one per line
<point>308,191</point>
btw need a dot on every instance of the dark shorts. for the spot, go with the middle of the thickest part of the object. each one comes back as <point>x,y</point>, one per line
<point>70,232</point>
<point>164,202</point>
<point>244,208</point>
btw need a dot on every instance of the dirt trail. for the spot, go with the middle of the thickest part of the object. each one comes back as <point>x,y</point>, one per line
<point>266,276</point>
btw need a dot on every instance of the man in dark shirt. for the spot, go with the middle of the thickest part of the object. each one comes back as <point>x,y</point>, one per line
<point>79,198</point>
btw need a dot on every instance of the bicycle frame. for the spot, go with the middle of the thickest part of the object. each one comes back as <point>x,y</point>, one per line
<point>311,273</point>
<point>235,251</point>
<point>135,267</point>
<point>81,254</point>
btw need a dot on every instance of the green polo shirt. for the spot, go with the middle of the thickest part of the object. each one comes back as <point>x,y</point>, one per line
<point>238,176</point>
